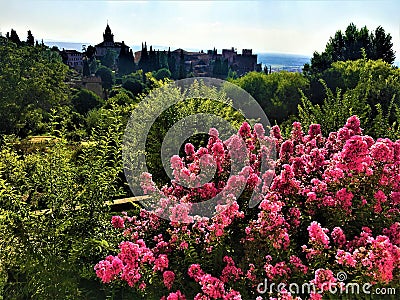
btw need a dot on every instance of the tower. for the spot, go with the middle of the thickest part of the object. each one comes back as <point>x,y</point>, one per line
<point>108,37</point>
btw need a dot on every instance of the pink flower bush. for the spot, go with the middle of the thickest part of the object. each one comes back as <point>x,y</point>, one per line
<point>331,205</point>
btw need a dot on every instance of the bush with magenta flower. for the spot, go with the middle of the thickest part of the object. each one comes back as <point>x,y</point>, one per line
<point>332,204</point>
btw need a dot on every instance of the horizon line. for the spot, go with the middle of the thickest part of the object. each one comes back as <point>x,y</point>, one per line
<point>184,48</point>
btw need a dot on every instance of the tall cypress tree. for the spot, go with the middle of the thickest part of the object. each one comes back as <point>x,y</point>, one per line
<point>86,67</point>
<point>217,67</point>
<point>14,37</point>
<point>182,67</point>
<point>152,59</point>
<point>163,60</point>
<point>30,39</point>
<point>144,59</point>
<point>126,63</point>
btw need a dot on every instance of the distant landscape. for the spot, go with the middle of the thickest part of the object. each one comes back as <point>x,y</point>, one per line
<point>277,61</point>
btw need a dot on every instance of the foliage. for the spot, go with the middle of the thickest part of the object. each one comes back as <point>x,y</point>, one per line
<point>374,80</point>
<point>195,103</point>
<point>116,109</point>
<point>335,110</point>
<point>348,46</point>
<point>367,88</point>
<point>65,122</point>
<point>30,40</point>
<point>133,85</point>
<point>85,100</point>
<point>152,61</point>
<point>333,206</point>
<point>126,62</point>
<point>108,60</point>
<point>162,74</point>
<point>277,93</point>
<point>54,218</point>
<point>32,82</point>
<point>220,68</point>
<point>107,77</point>
<point>13,37</point>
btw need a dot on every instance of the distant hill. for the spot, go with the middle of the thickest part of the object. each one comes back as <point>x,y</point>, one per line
<point>66,45</point>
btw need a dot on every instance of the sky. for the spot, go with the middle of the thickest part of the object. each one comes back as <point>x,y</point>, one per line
<point>298,27</point>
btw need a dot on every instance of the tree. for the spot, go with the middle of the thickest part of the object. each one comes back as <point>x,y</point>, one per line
<point>162,74</point>
<point>126,63</point>
<point>108,59</point>
<point>54,216</point>
<point>182,67</point>
<point>90,51</point>
<point>32,81</point>
<point>30,39</point>
<point>191,73</point>
<point>86,67</point>
<point>277,93</point>
<point>163,60</point>
<point>107,77</point>
<point>220,68</point>
<point>367,88</point>
<point>217,67</point>
<point>144,62</point>
<point>14,37</point>
<point>85,100</point>
<point>172,64</point>
<point>382,46</point>
<point>154,63</point>
<point>193,103</point>
<point>135,86</point>
<point>348,46</point>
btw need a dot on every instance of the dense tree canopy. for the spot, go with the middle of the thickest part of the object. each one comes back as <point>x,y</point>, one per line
<point>109,58</point>
<point>32,82</point>
<point>162,74</point>
<point>367,88</point>
<point>277,93</point>
<point>107,77</point>
<point>348,45</point>
<point>85,100</point>
<point>126,63</point>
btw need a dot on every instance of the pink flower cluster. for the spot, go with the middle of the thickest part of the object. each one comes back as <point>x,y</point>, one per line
<point>379,257</point>
<point>318,235</point>
<point>212,287</point>
<point>117,222</point>
<point>128,265</point>
<point>332,204</point>
<point>169,278</point>
<point>323,279</point>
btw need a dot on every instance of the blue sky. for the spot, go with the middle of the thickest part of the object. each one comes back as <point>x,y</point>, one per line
<point>265,26</point>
